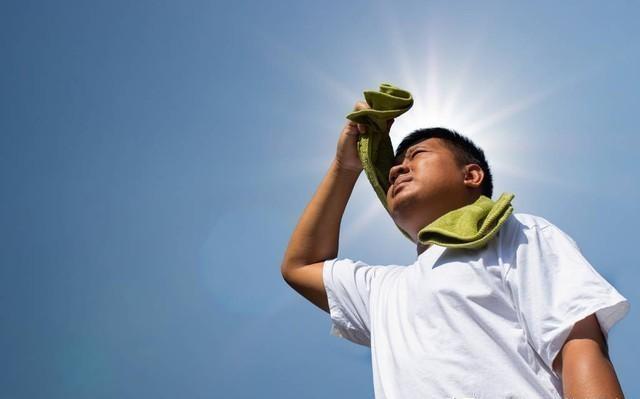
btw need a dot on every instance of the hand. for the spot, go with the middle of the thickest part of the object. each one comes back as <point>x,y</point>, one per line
<point>347,151</point>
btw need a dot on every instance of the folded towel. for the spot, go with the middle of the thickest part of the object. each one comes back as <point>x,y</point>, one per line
<point>470,226</point>
<point>374,147</point>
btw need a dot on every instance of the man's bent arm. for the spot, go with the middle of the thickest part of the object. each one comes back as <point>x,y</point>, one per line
<point>315,238</point>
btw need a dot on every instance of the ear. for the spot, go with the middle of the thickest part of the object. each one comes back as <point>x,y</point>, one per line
<point>473,175</point>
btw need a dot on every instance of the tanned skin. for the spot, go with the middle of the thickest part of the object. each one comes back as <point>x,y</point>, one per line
<point>426,183</point>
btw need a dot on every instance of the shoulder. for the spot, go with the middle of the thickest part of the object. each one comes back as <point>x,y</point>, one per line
<point>522,223</point>
<point>529,221</point>
<point>525,228</point>
<point>526,233</point>
<point>525,223</point>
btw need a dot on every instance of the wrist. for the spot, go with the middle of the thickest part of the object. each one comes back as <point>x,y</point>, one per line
<point>339,168</point>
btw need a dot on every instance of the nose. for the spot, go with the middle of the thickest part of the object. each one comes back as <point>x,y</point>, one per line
<point>396,171</point>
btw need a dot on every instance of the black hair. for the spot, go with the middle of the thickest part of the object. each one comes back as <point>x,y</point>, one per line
<point>464,149</point>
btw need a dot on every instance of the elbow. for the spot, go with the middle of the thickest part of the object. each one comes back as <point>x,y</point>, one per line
<point>288,264</point>
<point>285,270</point>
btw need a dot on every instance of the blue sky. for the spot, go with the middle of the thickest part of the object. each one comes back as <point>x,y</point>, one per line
<point>155,158</point>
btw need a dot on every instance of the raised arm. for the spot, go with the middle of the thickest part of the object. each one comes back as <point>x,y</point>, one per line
<point>315,238</point>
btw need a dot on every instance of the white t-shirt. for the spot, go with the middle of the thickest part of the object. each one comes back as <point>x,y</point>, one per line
<point>462,323</point>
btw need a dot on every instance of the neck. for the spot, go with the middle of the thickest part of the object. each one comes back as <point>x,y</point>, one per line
<point>418,224</point>
<point>422,247</point>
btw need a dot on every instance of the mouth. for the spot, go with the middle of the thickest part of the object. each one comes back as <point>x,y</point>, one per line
<point>398,186</point>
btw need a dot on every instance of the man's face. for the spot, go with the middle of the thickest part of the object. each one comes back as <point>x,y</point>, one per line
<point>425,184</point>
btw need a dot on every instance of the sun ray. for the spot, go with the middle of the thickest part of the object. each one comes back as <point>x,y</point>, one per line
<point>280,54</point>
<point>504,113</point>
<point>431,95</point>
<point>466,115</point>
<point>457,87</point>
<point>401,56</point>
<point>444,96</point>
<point>527,102</point>
<point>525,174</point>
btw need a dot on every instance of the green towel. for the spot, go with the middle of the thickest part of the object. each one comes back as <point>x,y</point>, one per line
<point>374,147</point>
<point>470,226</point>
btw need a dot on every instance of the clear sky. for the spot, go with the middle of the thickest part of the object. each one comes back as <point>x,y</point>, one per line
<point>155,158</point>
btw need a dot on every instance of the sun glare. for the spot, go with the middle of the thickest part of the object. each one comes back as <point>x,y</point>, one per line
<point>459,98</point>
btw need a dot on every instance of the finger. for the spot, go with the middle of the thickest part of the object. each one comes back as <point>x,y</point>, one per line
<point>351,128</point>
<point>362,128</point>
<point>360,105</point>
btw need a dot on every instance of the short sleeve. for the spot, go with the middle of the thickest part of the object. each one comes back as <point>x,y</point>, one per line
<point>553,286</point>
<point>348,287</point>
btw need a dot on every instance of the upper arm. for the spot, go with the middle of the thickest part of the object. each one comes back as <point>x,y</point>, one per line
<point>584,340</point>
<point>584,364</point>
<point>308,282</point>
<point>342,288</point>
<point>554,288</point>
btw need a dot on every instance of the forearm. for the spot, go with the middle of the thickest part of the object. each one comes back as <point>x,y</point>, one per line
<point>588,374</point>
<point>315,238</point>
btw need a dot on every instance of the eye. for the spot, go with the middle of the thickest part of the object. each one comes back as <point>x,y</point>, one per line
<point>413,154</point>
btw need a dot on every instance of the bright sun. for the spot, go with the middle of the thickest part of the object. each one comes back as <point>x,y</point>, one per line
<point>459,98</point>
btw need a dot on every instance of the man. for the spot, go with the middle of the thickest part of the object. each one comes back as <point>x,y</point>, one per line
<point>526,316</point>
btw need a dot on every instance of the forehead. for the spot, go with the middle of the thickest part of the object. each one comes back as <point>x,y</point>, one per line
<point>430,143</point>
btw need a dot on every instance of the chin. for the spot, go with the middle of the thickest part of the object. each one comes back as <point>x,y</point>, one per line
<point>403,199</point>
<point>401,209</point>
